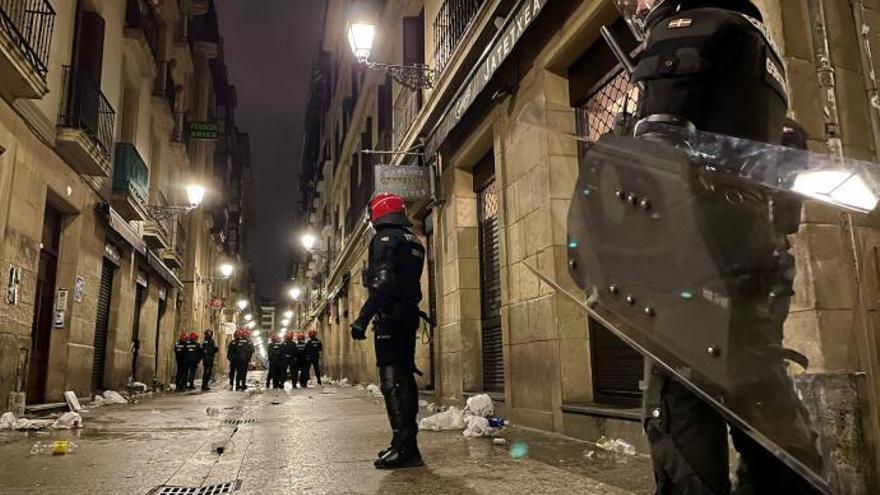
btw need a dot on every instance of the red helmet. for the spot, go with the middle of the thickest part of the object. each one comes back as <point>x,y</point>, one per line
<point>246,334</point>
<point>194,337</point>
<point>384,204</point>
<point>237,334</point>
<point>276,338</point>
<point>183,336</point>
<point>312,333</point>
<point>288,336</point>
<point>300,336</point>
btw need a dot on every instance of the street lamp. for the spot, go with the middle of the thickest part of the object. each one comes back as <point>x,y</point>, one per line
<point>361,36</point>
<point>295,293</point>
<point>251,324</point>
<point>285,322</point>
<point>226,269</point>
<point>194,195</point>
<point>248,317</point>
<point>309,240</point>
<point>288,314</point>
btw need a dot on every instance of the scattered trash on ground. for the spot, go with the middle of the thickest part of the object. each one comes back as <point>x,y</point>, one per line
<point>451,419</point>
<point>113,397</point>
<point>497,422</point>
<point>374,389</point>
<point>589,454</point>
<point>58,447</point>
<point>615,445</point>
<point>423,403</point>
<point>67,421</point>
<point>476,427</point>
<point>72,401</point>
<point>343,382</point>
<point>480,405</point>
<point>7,421</point>
<point>435,408</point>
<point>359,387</point>
<point>519,450</point>
<point>499,441</point>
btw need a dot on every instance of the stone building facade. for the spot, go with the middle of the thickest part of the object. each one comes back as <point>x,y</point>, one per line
<point>97,97</point>
<point>501,191</point>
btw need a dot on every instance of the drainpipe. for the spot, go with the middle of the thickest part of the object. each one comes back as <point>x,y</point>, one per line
<point>825,73</point>
<point>870,77</point>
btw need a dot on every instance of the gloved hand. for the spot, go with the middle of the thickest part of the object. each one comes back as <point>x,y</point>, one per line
<point>358,330</point>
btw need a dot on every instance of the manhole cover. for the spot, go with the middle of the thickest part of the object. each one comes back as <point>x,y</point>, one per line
<point>236,422</point>
<point>228,487</point>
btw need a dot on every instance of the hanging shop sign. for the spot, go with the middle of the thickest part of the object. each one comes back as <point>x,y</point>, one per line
<point>501,46</point>
<point>410,182</point>
<point>204,131</point>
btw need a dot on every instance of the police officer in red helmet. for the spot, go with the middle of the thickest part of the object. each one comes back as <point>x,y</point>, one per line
<point>393,281</point>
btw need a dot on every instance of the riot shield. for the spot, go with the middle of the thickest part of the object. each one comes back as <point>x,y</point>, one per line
<point>672,236</point>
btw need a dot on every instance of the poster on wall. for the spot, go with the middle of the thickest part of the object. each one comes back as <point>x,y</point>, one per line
<point>79,288</point>
<point>12,285</point>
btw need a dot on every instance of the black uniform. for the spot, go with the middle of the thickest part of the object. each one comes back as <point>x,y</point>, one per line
<point>288,362</point>
<point>182,371</point>
<point>302,363</point>
<point>275,377</point>
<point>232,357</point>
<point>709,63</point>
<point>314,347</point>
<point>393,279</point>
<point>243,353</point>
<point>209,351</point>
<point>193,356</point>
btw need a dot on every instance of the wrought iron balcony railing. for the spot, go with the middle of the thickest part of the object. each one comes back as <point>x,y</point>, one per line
<point>29,23</point>
<point>130,173</point>
<point>86,108</point>
<point>163,86</point>
<point>139,15</point>
<point>449,26</point>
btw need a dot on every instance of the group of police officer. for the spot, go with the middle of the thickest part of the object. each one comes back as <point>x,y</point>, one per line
<point>189,353</point>
<point>294,358</point>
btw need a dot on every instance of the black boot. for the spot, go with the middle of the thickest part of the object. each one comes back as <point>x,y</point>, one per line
<point>398,387</point>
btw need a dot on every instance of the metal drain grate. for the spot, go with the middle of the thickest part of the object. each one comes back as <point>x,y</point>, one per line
<point>237,422</point>
<point>228,487</point>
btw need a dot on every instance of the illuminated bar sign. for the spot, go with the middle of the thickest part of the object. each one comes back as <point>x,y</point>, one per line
<point>205,131</point>
<point>410,182</point>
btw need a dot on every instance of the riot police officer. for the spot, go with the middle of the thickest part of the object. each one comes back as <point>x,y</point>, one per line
<point>180,357</point>
<point>393,281</point>
<point>275,376</point>
<point>302,363</point>
<point>288,360</point>
<point>314,347</point>
<point>244,352</point>
<point>209,351</point>
<point>709,64</point>
<point>193,357</point>
<point>232,357</point>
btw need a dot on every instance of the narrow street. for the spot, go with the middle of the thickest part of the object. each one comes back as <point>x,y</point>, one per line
<point>296,441</point>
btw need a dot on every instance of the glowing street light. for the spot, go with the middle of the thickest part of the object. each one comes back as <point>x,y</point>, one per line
<point>195,194</point>
<point>242,304</point>
<point>360,37</point>
<point>251,324</point>
<point>288,314</point>
<point>285,322</point>
<point>226,269</point>
<point>309,240</point>
<point>248,317</point>
<point>295,293</point>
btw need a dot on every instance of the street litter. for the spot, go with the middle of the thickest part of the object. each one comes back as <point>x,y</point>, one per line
<point>7,420</point>
<point>476,427</point>
<point>67,421</point>
<point>423,403</point>
<point>98,401</point>
<point>499,441</point>
<point>435,408</point>
<point>615,445</point>
<point>114,397</point>
<point>589,454</point>
<point>58,447</point>
<point>72,401</point>
<point>142,387</point>
<point>480,405</point>
<point>451,419</point>
<point>343,382</point>
<point>358,387</point>
<point>374,389</point>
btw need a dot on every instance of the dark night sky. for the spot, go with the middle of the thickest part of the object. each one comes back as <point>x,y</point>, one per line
<point>269,46</point>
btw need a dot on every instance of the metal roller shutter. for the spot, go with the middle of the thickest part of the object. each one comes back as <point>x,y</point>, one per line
<point>490,288</point>
<point>102,322</point>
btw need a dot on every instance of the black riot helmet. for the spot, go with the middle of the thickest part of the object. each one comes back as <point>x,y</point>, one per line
<point>642,14</point>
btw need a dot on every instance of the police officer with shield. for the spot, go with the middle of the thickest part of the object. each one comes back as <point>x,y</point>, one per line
<point>393,281</point>
<point>709,65</point>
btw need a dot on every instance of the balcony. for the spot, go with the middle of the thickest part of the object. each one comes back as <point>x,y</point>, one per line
<point>449,26</point>
<point>158,233</point>
<point>173,256</point>
<point>25,37</point>
<point>141,23</point>
<point>131,180</point>
<point>85,133</point>
<point>406,109</point>
<point>163,85</point>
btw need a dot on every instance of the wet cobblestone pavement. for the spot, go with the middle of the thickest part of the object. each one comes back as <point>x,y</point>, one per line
<point>296,441</point>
